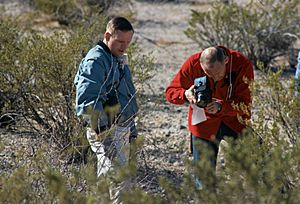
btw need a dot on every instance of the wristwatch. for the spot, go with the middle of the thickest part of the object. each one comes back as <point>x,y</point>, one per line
<point>219,107</point>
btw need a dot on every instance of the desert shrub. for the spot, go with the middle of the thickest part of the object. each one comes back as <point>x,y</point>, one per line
<point>70,12</point>
<point>276,107</point>
<point>44,179</point>
<point>41,180</point>
<point>8,53</point>
<point>37,71</point>
<point>142,66</point>
<point>262,30</point>
<point>65,11</point>
<point>276,124</point>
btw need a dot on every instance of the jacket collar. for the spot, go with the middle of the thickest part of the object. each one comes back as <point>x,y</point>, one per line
<point>104,46</point>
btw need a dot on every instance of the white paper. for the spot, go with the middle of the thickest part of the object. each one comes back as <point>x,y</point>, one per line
<point>198,115</point>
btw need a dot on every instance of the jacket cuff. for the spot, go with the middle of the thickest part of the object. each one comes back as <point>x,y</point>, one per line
<point>182,96</point>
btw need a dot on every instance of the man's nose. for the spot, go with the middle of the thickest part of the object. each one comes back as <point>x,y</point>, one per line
<point>124,45</point>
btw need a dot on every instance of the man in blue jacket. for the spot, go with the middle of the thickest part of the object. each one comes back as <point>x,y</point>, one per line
<point>106,97</point>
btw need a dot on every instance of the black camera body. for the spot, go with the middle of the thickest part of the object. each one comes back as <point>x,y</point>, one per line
<point>202,92</point>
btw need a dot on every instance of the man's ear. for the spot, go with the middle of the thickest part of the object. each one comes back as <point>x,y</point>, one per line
<point>107,36</point>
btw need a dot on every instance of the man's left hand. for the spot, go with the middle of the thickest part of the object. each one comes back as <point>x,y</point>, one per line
<point>213,107</point>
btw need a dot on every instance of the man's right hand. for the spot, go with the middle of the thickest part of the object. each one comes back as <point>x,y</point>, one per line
<point>98,135</point>
<point>189,94</point>
<point>112,113</point>
<point>93,115</point>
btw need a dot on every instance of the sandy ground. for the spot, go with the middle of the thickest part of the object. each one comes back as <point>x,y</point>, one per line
<point>160,30</point>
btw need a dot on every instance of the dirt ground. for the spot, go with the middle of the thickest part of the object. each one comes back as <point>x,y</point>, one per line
<point>160,30</point>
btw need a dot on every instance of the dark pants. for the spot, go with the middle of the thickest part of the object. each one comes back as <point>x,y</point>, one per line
<point>224,130</point>
<point>209,146</point>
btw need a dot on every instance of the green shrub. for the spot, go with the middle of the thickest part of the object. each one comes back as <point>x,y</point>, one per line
<point>70,12</point>
<point>261,30</point>
<point>38,72</point>
<point>42,179</point>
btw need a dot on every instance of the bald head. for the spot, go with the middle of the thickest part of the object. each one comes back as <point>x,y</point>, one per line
<point>213,61</point>
<point>211,55</point>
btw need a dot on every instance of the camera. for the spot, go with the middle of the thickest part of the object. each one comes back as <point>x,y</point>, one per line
<point>202,92</point>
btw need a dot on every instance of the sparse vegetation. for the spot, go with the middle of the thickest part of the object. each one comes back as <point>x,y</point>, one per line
<point>262,30</point>
<point>70,12</point>
<point>36,75</point>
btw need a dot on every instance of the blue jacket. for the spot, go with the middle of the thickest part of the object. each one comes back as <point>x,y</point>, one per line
<point>102,78</point>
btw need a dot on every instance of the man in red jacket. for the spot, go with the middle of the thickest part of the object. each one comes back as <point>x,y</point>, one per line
<point>228,74</point>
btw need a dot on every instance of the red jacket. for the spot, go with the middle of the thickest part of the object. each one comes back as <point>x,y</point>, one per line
<point>241,69</point>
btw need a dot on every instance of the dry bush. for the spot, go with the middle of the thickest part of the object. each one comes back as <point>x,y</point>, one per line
<point>262,30</point>
<point>70,12</point>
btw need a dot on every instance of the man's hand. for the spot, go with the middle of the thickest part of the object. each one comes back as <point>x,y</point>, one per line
<point>112,113</point>
<point>112,110</point>
<point>189,94</point>
<point>213,107</point>
<point>100,136</point>
<point>93,115</point>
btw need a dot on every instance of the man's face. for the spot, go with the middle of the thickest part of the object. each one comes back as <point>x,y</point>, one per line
<point>118,42</point>
<point>216,70</point>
